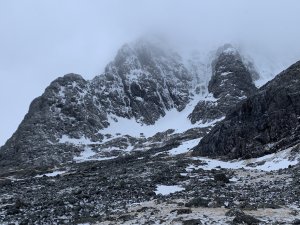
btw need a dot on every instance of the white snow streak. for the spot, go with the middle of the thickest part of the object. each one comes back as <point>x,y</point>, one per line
<point>184,147</point>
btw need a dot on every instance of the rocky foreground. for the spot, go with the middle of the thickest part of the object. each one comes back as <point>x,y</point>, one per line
<point>137,189</point>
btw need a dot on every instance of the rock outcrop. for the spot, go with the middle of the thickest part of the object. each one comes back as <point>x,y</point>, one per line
<point>263,123</point>
<point>230,83</point>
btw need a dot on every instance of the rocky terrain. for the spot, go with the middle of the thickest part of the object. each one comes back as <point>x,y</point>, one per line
<point>139,189</point>
<point>130,146</point>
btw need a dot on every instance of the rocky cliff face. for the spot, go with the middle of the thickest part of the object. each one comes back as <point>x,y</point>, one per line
<point>263,123</point>
<point>143,84</point>
<point>230,83</point>
<point>66,107</point>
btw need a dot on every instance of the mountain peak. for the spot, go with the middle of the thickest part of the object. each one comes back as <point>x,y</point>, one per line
<point>227,49</point>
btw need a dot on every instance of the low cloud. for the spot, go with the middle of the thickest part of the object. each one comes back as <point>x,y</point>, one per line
<point>41,40</point>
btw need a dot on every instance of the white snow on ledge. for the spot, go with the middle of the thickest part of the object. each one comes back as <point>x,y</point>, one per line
<point>184,147</point>
<point>166,190</point>
<point>81,141</point>
<point>275,161</point>
<point>88,155</point>
<point>225,73</point>
<point>53,174</point>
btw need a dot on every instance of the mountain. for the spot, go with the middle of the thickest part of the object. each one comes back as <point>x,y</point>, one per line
<point>230,83</point>
<point>119,148</point>
<point>148,97</point>
<point>267,122</point>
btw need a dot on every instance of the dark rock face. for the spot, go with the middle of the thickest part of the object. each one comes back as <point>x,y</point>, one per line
<point>221,177</point>
<point>264,123</point>
<point>197,202</point>
<point>231,82</point>
<point>192,222</point>
<point>66,107</point>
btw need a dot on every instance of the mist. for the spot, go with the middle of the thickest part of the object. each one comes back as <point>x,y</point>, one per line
<point>42,40</point>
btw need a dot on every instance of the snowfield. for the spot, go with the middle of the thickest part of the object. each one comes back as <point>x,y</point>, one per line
<point>275,161</point>
<point>172,120</point>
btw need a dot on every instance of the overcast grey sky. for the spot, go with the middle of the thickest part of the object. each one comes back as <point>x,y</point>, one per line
<point>41,40</point>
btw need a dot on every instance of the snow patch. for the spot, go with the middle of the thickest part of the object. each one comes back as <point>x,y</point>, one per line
<point>275,161</point>
<point>88,154</point>
<point>225,73</point>
<point>125,126</point>
<point>184,147</point>
<point>53,174</point>
<point>81,141</point>
<point>166,190</point>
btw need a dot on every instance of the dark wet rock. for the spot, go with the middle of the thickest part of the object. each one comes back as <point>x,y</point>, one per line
<point>197,202</point>
<point>221,177</point>
<point>296,221</point>
<point>245,219</point>
<point>264,123</point>
<point>182,211</point>
<point>126,217</point>
<point>234,212</point>
<point>192,222</point>
<point>5,182</point>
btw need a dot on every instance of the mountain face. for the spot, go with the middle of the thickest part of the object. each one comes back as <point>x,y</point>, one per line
<point>143,82</point>
<point>146,87</point>
<point>264,123</point>
<point>230,83</point>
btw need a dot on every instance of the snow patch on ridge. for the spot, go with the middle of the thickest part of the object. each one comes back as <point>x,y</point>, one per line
<point>184,147</point>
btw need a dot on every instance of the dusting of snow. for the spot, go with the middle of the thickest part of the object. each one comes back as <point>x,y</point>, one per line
<point>62,95</point>
<point>225,73</point>
<point>230,51</point>
<point>166,190</point>
<point>81,141</point>
<point>242,97</point>
<point>88,155</point>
